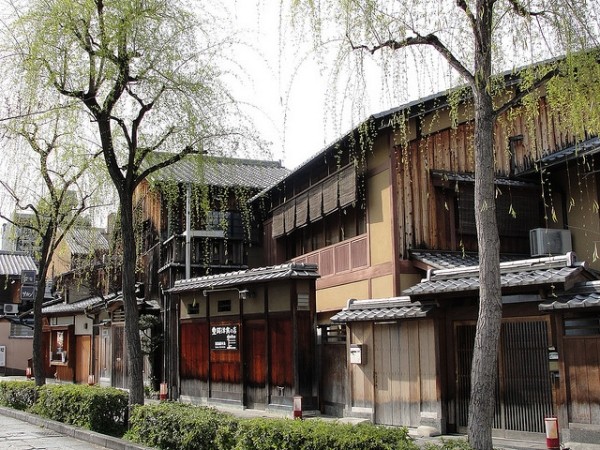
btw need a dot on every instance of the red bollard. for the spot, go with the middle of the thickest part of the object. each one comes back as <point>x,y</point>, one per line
<point>163,394</point>
<point>297,407</point>
<point>552,438</point>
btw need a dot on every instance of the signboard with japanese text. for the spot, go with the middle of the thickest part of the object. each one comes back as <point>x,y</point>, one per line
<point>224,337</point>
<point>2,355</point>
<point>28,277</point>
<point>28,293</point>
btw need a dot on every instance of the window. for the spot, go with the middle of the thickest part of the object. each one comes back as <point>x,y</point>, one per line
<point>582,326</point>
<point>333,333</point>
<point>193,308</point>
<point>224,306</point>
<point>19,330</point>
<point>59,346</point>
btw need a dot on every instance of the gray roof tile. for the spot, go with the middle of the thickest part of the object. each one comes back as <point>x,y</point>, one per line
<point>453,260</point>
<point>583,295</point>
<point>395,308</point>
<point>86,240</point>
<point>261,274</point>
<point>530,272</point>
<point>221,172</point>
<point>13,263</point>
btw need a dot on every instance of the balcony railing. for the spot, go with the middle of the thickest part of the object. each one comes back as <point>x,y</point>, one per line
<point>342,257</point>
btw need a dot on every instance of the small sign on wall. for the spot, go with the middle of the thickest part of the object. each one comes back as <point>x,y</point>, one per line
<point>356,354</point>
<point>2,355</point>
<point>224,337</point>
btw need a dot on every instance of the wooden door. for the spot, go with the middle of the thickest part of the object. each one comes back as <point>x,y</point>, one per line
<point>255,363</point>
<point>582,364</point>
<point>83,346</point>
<point>523,388</point>
<point>396,361</point>
<point>119,364</point>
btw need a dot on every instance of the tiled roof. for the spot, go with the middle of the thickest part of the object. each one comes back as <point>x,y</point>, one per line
<point>13,263</point>
<point>75,307</point>
<point>530,272</point>
<point>453,260</point>
<point>230,279</point>
<point>85,240</point>
<point>381,309</point>
<point>585,148</point>
<point>583,295</point>
<point>221,172</point>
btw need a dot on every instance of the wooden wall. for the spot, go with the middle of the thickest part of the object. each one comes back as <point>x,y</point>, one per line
<point>423,213</point>
<point>397,384</point>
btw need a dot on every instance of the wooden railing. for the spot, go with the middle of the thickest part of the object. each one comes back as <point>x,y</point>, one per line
<point>344,256</point>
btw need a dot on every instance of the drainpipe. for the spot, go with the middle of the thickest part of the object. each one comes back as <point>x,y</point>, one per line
<point>188,232</point>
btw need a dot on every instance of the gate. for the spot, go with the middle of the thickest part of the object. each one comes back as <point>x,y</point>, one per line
<point>523,388</point>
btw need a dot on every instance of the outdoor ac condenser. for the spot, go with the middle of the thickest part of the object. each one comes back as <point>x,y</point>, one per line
<point>549,241</point>
<point>11,308</point>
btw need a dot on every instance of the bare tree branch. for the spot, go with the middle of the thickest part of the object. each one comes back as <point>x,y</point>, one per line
<point>429,39</point>
<point>522,93</point>
<point>520,9</point>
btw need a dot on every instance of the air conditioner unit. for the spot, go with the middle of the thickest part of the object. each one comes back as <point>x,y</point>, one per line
<point>11,308</point>
<point>549,241</point>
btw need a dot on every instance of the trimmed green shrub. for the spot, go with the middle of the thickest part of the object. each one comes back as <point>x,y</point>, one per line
<point>449,444</point>
<point>17,394</point>
<point>172,425</point>
<point>96,408</point>
<point>286,434</point>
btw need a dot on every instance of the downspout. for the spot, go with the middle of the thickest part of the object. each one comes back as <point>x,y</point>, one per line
<point>188,232</point>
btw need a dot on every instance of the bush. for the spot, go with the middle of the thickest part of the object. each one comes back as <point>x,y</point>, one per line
<point>285,434</point>
<point>172,425</point>
<point>17,394</point>
<point>96,408</point>
<point>450,444</point>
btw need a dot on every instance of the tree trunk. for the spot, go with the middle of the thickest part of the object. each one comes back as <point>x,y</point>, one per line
<point>485,352</point>
<point>132,334</point>
<point>38,356</point>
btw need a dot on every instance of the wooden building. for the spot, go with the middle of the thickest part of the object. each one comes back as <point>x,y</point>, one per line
<point>16,333</point>
<point>248,338</point>
<point>194,220</point>
<point>394,199</point>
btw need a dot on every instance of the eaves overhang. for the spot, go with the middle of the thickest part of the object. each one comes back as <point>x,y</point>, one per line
<point>583,296</point>
<point>250,276</point>
<point>386,309</point>
<point>555,273</point>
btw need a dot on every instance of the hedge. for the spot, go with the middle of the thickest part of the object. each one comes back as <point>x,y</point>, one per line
<point>18,394</point>
<point>172,425</point>
<point>96,408</point>
<point>287,434</point>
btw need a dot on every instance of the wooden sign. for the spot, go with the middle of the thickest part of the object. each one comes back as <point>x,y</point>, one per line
<point>224,337</point>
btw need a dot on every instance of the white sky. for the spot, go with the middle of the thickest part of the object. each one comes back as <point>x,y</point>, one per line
<point>293,92</point>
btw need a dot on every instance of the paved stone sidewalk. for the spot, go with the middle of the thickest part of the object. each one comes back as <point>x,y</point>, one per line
<point>16,434</point>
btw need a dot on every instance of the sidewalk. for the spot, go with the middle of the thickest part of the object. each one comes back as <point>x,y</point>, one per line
<point>120,444</point>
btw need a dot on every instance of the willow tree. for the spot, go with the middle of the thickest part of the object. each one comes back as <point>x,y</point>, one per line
<point>474,38</point>
<point>53,196</point>
<point>144,76</point>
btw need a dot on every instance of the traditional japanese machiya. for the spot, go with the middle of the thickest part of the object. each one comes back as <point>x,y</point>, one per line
<point>248,337</point>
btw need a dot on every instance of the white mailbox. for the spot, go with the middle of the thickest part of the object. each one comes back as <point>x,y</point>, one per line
<point>357,355</point>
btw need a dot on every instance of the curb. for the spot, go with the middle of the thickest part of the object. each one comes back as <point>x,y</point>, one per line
<point>81,434</point>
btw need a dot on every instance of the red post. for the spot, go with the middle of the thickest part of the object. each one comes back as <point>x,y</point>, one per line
<point>164,391</point>
<point>552,438</point>
<point>297,407</point>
